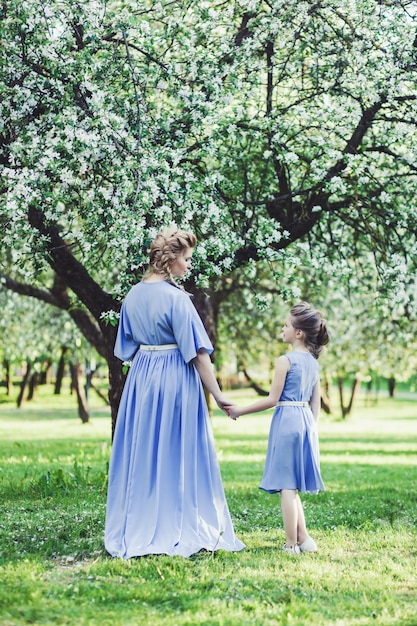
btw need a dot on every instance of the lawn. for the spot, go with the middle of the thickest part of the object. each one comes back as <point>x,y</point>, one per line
<point>53,569</point>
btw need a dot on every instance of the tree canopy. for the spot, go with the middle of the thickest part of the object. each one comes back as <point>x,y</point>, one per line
<point>255,124</point>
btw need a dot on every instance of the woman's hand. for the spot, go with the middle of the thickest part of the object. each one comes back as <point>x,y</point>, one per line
<point>224,404</point>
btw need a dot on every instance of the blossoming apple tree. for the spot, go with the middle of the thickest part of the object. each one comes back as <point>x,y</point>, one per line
<point>255,124</point>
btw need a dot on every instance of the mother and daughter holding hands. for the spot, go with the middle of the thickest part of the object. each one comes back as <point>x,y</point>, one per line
<point>165,493</point>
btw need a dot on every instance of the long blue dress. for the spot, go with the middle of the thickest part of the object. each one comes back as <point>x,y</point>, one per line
<point>165,493</point>
<point>292,459</point>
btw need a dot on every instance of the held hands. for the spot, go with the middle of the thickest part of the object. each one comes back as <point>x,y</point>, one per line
<point>233,412</point>
<point>225,405</point>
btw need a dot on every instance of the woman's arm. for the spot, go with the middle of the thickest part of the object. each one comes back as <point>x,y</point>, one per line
<point>205,369</point>
<point>281,369</point>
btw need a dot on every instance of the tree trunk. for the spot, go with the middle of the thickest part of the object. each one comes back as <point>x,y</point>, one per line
<point>9,383</point>
<point>23,384</point>
<point>205,310</point>
<point>346,410</point>
<point>202,303</point>
<point>355,388</point>
<point>392,384</point>
<point>325,401</point>
<point>45,375</point>
<point>33,383</point>
<point>116,376</point>
<point>60,371</point>
<point>78,387</point>
<point>99,393</point>
<point>253,384</point>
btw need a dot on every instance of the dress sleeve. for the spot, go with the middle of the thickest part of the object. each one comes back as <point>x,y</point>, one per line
<point>189,331</point>
<point>125,346</point>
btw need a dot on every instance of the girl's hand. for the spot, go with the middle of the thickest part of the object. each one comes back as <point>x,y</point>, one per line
<point>233,412</point>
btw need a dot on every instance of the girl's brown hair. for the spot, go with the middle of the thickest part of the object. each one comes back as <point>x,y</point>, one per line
<point>311,322</point>
<point>165,249</point>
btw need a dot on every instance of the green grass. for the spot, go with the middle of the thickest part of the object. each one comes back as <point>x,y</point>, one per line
<point>54,570</point>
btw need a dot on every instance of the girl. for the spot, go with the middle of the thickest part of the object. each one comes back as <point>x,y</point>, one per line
<point>292,462</point>
<point>165,491</point>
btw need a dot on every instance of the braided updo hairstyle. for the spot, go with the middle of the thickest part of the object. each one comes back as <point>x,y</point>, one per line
<point>311,322</point>
<point>165,249</point>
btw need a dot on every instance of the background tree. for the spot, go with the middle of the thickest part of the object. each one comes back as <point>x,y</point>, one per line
<point>372,339</point>
<point>254,124</point>
<point>38,340</point>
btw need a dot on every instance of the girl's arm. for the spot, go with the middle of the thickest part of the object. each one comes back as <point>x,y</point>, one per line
<point>315,401</point>
<point>281,369</point>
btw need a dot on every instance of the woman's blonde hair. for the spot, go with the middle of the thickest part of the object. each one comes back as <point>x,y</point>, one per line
<point>311,322</point>
<point>166,248</point>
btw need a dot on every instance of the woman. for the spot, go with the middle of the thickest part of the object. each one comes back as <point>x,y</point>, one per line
<point>165,491</point>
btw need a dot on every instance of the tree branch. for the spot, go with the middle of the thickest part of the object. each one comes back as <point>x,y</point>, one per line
<point>58,297</point>
<point>352,145</point>
<point>122,42</point>
<point>73,274</point>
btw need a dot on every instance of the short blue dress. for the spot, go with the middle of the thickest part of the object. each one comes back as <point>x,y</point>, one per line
<point>165,493</point>
<point>293,459</point>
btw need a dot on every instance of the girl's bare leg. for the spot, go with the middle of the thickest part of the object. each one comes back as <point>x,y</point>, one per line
<point>302,532</point>
<point>289,508</point>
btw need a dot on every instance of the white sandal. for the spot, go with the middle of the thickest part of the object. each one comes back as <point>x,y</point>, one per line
<point>309,545</point>
<point>293,550</point>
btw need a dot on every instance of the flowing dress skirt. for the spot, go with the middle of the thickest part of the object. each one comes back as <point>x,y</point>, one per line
<point>165,489</point>
<point>293,457</point>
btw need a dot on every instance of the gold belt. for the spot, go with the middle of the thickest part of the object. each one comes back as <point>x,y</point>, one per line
<point>166,346</point>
